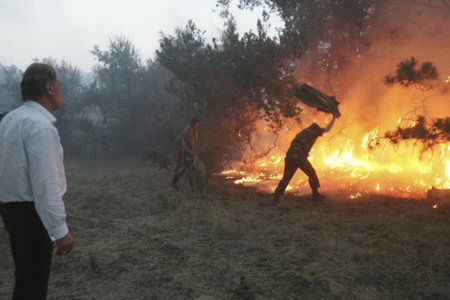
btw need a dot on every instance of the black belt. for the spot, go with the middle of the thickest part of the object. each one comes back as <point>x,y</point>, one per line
<point>17,204</point>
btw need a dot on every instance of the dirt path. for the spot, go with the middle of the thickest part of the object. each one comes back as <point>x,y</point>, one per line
<point>139,239</point>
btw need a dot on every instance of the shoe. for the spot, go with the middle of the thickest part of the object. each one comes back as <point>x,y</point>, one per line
<point>275,199</point>
<point>318,197</point>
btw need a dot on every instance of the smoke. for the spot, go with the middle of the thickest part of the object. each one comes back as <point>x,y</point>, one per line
<point>369,107</point>
<point>400,31</point>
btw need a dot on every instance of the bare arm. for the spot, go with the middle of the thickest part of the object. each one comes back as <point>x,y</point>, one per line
<point>328,128</point>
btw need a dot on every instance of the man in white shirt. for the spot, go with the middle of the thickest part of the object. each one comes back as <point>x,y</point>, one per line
<point>32,182</point>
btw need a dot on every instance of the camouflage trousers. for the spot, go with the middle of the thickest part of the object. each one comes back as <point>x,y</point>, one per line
<point>291,165</point>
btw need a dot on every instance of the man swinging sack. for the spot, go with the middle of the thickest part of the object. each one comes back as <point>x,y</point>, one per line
<point>297,158</point>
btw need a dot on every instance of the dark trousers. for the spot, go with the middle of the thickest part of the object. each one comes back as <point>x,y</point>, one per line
<point>184,160</point>
<point>31,250</point>
<point>290,167</point>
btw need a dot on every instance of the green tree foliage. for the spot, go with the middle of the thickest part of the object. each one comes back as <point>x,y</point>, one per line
<point>428,132</point>
<point>330,32</point>
<point>119,73</point>
<point>229,83</point>
<point>119,70</point>
<point>409,73</point>
<point>131,97</point>
<point>121,108</point>
<point>10,77</point>
<point>160,114</point>
<point>232,70</point>
<point>238,79</point>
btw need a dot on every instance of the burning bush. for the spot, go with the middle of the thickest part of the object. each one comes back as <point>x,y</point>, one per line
<point>408,73</point>
<point>428,132</point>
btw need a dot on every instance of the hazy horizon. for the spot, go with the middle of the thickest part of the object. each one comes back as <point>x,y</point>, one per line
<point>69,30</point>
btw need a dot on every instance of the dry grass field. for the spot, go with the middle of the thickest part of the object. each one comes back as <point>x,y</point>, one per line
<point>139,239</point>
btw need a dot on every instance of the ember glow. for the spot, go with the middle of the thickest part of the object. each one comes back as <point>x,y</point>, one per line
<point>355,170</point>
<point>346,162</point>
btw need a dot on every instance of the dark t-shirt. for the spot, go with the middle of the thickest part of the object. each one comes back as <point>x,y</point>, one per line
<point>303,142</point>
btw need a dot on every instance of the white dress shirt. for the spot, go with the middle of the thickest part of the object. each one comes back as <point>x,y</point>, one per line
<point>31,165</point>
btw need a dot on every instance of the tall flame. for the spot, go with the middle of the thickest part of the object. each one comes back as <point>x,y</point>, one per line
<point>346,159</point>
<point>356,169</point>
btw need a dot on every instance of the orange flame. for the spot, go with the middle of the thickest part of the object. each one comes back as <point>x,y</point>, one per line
<point>346,159</point>
<point>352,168</point>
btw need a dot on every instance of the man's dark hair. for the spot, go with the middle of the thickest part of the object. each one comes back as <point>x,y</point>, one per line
<point>194,121</point>
<point>35,80</point>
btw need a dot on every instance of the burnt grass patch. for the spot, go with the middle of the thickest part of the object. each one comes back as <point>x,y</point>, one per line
<point>137,238</point>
